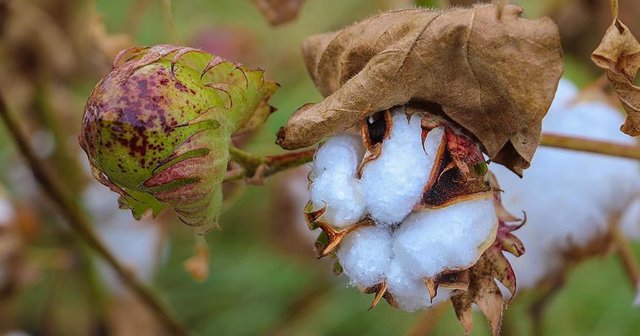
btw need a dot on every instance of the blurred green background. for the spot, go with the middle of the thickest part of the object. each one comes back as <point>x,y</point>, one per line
<point>264,278</point>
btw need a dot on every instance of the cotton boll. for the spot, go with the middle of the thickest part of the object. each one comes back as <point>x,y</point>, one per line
<point>134,243</point>
<point>365,255</point>
<point>341,153</point>
<point>7,213</point>
<point>334,182</point>
<point>432,241</point>
<point>410,292</point>
<point>569,196</point>
<point>341,195</point>
<point>566,93</point>
<point>630,220</point>
<point>393,183</point>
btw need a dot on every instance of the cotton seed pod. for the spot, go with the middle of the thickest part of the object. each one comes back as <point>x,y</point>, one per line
<point>410,213</point>
<point>157,128</point>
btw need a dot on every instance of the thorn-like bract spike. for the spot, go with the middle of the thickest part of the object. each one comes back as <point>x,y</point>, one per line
<point>432,287</point>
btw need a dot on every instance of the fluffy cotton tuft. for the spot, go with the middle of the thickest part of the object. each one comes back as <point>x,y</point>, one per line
<point>431,241</point>
<point>393,183</point>
<point>568,196</point>
<point>365,255</point>
<point>410,292</point>
<point>335,184</point>
<point>423,244</point>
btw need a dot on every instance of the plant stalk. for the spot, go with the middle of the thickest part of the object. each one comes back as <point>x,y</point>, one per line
<point>82,227</point>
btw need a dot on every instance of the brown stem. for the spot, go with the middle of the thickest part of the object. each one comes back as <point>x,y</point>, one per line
<point>81,226</point>
<point>592,146</point>
<point>627,257</point>
<point>272,164</point>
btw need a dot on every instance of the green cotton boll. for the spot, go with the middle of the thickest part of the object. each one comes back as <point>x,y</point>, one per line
<point>157,128</point>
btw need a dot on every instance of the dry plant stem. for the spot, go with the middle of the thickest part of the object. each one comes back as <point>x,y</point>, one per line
<point>82,228</point>
<point>264,166</point>
<point>592,146</point>
<point>629,261</point>
<point>171,26</point>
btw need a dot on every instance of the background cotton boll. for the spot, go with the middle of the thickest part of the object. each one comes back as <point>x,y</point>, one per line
<point>341,153</point>
<point>570,197</point>
<point>630,220</point>
<point>565,94</point>
<point>137,244</point>
<point>431,241</point>
<point>410,292</point>
<point>393,183</point>
<point>365,255</point>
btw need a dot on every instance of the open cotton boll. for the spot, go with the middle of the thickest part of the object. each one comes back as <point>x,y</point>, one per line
<point>569,196</point>
<point>431,241</point>
<point>630,220</point>
<point>365,255</point>
<point>7,213</point>
<point>135,243</point>
<point>393,183</point>
<point>410,292</point>
<point>340,154</point>
<point>335,184</point>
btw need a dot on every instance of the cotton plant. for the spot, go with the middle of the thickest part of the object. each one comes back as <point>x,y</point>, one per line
<point>572,198</point>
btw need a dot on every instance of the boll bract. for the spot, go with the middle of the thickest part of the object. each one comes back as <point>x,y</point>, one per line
<point>409,209</point>
<point>157,128</point>
<point>571,198</point>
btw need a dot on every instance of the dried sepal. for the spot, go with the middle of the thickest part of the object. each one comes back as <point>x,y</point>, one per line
<point>157,128</point>
<point>381,293</point>
<point>484,292</point>
<point>619,55</point>
<point>458,280</point>
<point>330,238</point>
<point>395,58</point>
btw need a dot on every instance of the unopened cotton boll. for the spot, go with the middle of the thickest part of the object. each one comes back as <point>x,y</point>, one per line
<point>394,182</point>
<point>569,197</point>
<point>335,185</point>
<point>365,255</point>
<point>432,241</point>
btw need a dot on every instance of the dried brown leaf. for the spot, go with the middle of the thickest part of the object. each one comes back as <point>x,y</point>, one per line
<point>494,77</point>
<point>484,292</point>
<point>619,55</point>
<point>279,11</point>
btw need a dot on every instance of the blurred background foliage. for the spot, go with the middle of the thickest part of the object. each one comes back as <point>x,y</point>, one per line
<point>264,278</point>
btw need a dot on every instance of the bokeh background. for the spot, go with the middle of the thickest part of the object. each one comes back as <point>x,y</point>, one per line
<point>264,278</point>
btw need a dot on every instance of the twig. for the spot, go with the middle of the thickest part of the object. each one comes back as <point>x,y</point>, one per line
<point>171,26</point>
<point>592,146</point>
<point>627,257</point>
<point>81,226</point>
<point>256,166</point>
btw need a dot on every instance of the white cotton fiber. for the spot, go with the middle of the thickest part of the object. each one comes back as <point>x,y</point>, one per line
<point>7,213</point>
<point>630,220</point>
<point>568,196</point>
<point>365,255</point>
<point>334,181</point>
<point>431,241</point>
<point>393,183</point>
<point>409,291</point>
<point>136,244</point>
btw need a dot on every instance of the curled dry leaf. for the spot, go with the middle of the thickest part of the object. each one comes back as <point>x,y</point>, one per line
<point>493,76</point>
<point>619,55</point>
<point>279,11</point>
<point>157,128</point>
